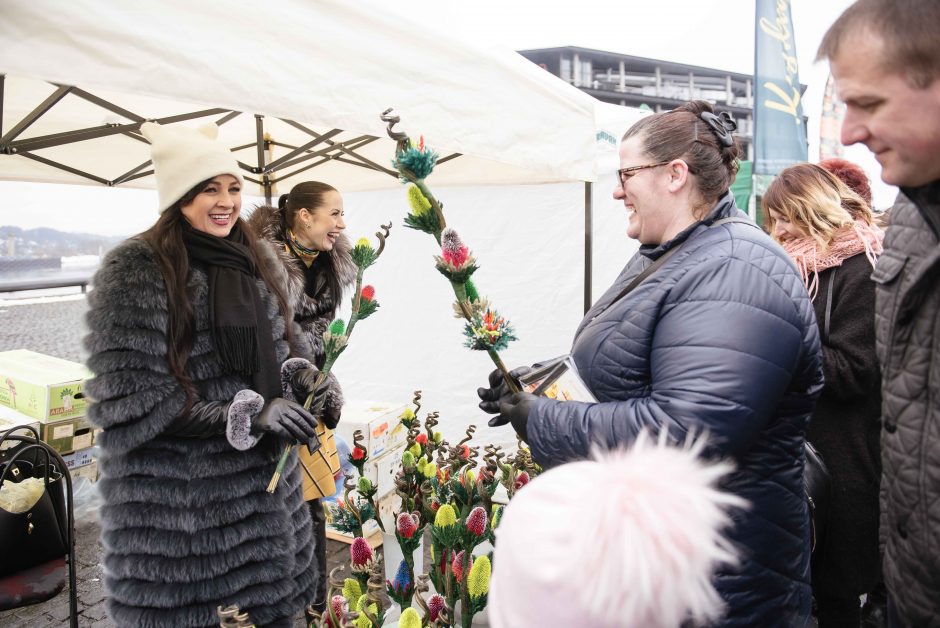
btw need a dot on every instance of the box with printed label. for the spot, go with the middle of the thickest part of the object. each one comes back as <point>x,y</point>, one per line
<point>88,471</point>
<point>382,470</point>
<point>10,418</point>
<point>69,435</point>
<point>79,458</point>
<point>379,422</point>
<point>42,386</point>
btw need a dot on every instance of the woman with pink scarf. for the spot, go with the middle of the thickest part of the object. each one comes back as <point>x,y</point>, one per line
<point>829,232</point>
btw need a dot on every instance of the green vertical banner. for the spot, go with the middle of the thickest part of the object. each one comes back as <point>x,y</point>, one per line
<point>779,131</point>
<point>741,188</point>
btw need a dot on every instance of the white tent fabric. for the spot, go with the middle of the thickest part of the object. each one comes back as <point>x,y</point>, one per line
<point>528,143</point>
<point>328,64</point>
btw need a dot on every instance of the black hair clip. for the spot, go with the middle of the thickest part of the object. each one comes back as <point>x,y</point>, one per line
<point>722,125</point>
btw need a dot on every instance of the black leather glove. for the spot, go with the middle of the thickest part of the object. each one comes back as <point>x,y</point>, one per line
<point>288,419</point>
<point>498,389</point>
<point>205,419</point>
<point>515,409</point>
<point>303,383</point>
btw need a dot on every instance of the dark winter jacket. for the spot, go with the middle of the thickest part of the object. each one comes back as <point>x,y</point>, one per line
<point>187,524</point>
<point>907,329</point>
<point>720,340</point>
<point>846,430</point>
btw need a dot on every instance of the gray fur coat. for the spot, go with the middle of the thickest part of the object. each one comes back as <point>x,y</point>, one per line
<point>187,524</point>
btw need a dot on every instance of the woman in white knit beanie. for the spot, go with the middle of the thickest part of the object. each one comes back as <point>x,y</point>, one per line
<point>196,362</point>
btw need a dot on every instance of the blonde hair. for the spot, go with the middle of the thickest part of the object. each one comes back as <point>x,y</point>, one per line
<point>815,201</point>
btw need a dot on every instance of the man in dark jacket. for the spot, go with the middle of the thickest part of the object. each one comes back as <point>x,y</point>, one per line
<point>885,58</point>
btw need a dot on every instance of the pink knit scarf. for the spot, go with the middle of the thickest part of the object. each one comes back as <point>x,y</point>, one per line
<point>847,242</point>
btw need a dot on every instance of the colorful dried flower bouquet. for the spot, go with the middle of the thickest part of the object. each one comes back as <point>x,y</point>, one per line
<point>445,489</point>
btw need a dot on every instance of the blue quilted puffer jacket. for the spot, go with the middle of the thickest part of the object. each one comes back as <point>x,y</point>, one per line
<point>722,339</point>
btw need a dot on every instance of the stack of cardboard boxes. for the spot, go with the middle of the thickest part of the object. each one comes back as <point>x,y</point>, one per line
<point>384,437</point>
<point>48,393</point>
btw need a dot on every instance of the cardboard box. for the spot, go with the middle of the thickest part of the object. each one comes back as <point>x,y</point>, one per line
<point>379,422</point>
<point>88,471</point>
<point>10,418</point>
<point>78,459</point>
<point>41,386</point>
<point>69,435</point>
<point>382,470</point>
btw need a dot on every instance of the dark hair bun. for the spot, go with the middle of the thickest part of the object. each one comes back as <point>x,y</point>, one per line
<point>282,201</point>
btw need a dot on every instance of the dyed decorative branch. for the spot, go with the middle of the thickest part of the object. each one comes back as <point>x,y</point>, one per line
<point>485,329</point>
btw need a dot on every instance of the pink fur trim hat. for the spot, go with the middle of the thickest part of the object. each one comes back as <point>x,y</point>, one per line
<point>631,538</point>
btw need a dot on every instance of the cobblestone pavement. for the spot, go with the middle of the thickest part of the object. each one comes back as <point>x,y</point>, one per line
<point>91,596</point>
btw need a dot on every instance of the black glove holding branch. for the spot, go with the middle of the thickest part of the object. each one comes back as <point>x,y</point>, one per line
<point>304,383</point>
<point>288,419</point>
<point>498,389</point>
<point>515,409</point>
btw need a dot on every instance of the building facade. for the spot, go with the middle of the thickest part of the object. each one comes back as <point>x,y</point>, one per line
<point>660,85</point>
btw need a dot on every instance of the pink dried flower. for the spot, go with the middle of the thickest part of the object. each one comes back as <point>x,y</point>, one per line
<point>521,480</point>
<point>421,439</point>
<point>361,554</point>
<point>465,452</point>
<point>476,521</point>
<point>453,249</point>
<point>457,566</point>
<point>368,293</point>
<point>406,525</point>
<point>338,604</point>
<point>435,606</point>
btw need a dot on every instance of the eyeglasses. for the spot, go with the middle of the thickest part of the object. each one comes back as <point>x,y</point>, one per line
<point>626,173</point>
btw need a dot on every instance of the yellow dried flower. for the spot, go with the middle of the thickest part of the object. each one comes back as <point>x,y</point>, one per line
<point>419,204</point>
<point>478,582</point>
<point>446,516</point>
<point>409,619</point>
<point>352,591</point>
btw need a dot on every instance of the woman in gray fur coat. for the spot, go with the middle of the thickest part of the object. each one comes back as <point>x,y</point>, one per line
<point>306,229</point>
<point>197,369</point>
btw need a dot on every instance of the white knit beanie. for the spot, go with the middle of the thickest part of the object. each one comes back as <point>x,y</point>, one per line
<point>631,538</point>
<point>183,157</point>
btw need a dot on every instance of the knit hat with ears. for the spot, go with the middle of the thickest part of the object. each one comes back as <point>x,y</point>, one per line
<point>183,157</point>
<point>630,538</point>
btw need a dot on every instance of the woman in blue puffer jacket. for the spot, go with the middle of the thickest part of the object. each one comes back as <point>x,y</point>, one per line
<point>720,339</point>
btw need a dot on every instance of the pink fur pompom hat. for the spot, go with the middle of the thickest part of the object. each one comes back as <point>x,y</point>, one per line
<point>630,538</point>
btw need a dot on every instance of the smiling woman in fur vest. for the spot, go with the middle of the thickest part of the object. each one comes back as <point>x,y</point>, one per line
<point>196,372</point>
<point>306,229</point>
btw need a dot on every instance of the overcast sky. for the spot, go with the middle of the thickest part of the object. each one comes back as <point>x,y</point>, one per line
<point>709,33</point>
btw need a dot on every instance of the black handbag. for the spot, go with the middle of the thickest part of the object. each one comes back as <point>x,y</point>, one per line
<point>44,532</point>
<point>816,481</point>
<point>817,486</point>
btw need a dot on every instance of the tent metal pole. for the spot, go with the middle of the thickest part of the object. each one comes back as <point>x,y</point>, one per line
<point>104,104</point>
<point>277,163</point>
<point>69,169</point>
<point>2,80</point>
<point>35,114</point>
<point>588,244</point>
<point>91,133</point>
<point>259,142</point>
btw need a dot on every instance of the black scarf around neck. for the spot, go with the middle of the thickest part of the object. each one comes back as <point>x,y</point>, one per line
<point>240,327</point>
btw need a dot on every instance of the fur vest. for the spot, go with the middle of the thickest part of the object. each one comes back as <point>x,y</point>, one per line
<point>313,313</point>
<point>187,524</point>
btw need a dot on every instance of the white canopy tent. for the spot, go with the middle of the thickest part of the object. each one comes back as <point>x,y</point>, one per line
<point>306,82</point>
<point>330,67</point>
